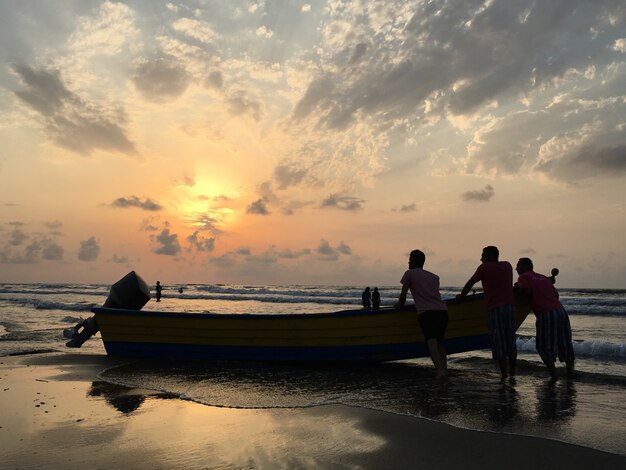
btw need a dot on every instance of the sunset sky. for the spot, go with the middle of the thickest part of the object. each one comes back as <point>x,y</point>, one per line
<point>304,142</point>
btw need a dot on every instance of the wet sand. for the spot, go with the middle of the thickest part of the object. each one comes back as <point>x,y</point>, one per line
<point>56,413</point>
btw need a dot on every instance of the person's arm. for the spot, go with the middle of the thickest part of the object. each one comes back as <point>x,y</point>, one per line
<point>522,288</point>
<point>466,288</point>
<point>472,280</point>
<point>402,299</point>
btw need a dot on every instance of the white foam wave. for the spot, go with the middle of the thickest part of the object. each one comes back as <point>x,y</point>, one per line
<point>587,349</point>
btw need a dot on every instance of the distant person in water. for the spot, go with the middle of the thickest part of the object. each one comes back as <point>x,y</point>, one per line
<point>180,291</point>
<point>158,289</point>
<point>366,300</point>
<point>497,281</point>
<point>432,312</point>
<point>554,332</point>
<point>376,298</point>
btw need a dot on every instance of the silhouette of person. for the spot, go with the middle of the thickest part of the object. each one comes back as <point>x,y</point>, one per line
<point>158,289</point>
<point>366,299</point>
<point>376,298</point>
<point>497,280</point>
<point>554,331</point>
<point>432,312</point>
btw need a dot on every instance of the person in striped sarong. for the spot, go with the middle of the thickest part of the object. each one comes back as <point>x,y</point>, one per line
<point>554,332</point>
<point>497,281</point>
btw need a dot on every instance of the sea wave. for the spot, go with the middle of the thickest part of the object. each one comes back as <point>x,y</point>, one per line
<point>595,349</point>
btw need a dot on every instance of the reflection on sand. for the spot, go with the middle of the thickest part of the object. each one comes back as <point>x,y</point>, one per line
<point>556,401</point>
<point>473,398</point>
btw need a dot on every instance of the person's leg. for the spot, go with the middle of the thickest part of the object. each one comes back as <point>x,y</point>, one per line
<point>443,355</point>
<point>502,362</point>
<point>439,360</point>
<point>546,340</point>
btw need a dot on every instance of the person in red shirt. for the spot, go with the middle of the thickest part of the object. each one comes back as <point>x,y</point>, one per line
<point>497,280</point>
<point>554,332</point>
<point>432,312</point>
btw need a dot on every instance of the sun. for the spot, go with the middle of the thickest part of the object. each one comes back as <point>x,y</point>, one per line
<point>207,205</point>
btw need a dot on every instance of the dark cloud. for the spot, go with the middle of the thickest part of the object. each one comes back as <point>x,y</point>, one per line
<point>29,255</point>
<point>293,254</point>
<point>327,252</point>
<point>408,207</point>
<point>17,237</point>
<point>346,203</point>
<point>52,251</point>
<point>160,80</point>
<point>69,121</point>
<point>167,243</point>
<point>480,195</point>
<point>208,223</point>
<point>587,162</point>
<point>258,207</point>
<point>120,259</point>
<point>459,55</point>
<point>358,53</point>
<point>240,104</point>
<point>215,80</point>
<point>286,176</point>
<point>89,250</point>
<point>133,201</point>
<point>200,243</point>
<point>243,251</point>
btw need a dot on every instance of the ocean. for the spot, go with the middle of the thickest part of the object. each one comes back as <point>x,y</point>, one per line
<point>587,410</point>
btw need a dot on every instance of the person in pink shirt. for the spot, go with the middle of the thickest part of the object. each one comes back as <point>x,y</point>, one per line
<point>497,280</point>
<point>432,312</point>
<point>554,332</point>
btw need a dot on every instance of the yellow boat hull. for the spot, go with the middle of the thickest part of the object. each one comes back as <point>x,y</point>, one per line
<point>352,335</point>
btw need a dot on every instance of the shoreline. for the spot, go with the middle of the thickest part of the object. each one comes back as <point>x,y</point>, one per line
<point>56,413</point>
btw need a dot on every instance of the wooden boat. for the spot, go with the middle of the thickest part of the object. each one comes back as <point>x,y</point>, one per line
<point>350,335</point>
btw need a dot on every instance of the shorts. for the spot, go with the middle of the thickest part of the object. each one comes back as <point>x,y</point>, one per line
<point>434,324</point>
<point>554,336</point>
<point>502,332</point>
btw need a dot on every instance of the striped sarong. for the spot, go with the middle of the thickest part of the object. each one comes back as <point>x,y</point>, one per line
<point>502,332</point>
<point>554,336</point>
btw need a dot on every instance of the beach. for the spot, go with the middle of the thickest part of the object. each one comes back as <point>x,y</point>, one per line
<point>57,413</point>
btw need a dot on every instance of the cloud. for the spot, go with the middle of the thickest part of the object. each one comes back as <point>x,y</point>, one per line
<point>328,253</point>
<point>587,162</point>
<point>215,80</point>
<point>293,254</point>
<point>243,251</point>
<point>240,104</point>
<point>286,176</point>
<point>29,255</point>
<point>54,224</point>
<point>89,250</point>
<point>408,207</point>
<point>196,29</point>
<point>167,243</point>
<point>346,203</point>
<point>527,251</point>
<point>258,207</point>
<point>120,259</point>
<point>263,32</point>
<point>52,251</point>
<point>160,80</point>
<point>17,237</point>
<point>199,243</point>
<point>480,195</point>
<point>133,201</point>
<point>71,122</point>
